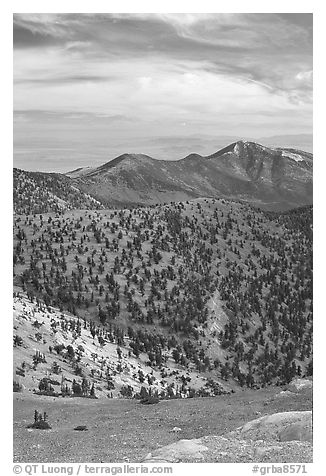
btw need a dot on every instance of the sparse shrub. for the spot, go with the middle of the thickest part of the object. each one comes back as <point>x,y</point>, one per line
<point>17,387</point>
<point>56,369</point>
<point>101,341</point>
<point>126,391</point>
<point>78,370</point>
<point>65,390</point>
<point>310,369</point>
<point>76,389</point>
<point>70,352</point>
<point>143,393</point>
<point>38,358</point>
<point>37,324</point>
<point>45,388</point>
<point>146,398</point>
<point>92,392</point>
<point>141,376</point>
<point>40,422</point>
<point>150,400</point>
<point>59,348</point>
<point>85,385</point>
<point>40,425</point>
<point>215,387</point>
<point>20,372</point>
<point>18,341</point>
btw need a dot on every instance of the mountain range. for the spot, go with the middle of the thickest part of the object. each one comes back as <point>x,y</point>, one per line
<point>270,178</point>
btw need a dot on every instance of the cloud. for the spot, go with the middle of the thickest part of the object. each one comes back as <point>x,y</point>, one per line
<point>43,116</point>
<point>265,48</point>
<point>305,77</point>
<point>67,79</point>
<point>169,74</point>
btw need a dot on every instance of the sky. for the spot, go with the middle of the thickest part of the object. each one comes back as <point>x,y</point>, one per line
<point>89,87</point>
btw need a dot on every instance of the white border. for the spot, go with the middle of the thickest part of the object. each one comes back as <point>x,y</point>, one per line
<point>319,177</point>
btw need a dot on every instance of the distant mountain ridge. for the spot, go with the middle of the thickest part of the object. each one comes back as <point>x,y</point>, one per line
<point>39,192</point>
<point>270,178</point>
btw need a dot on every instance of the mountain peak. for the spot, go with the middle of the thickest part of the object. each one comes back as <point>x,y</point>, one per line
<point>128,159</point>
<point>236,147</point>
<point>127,156</point>
<point>243,145</point>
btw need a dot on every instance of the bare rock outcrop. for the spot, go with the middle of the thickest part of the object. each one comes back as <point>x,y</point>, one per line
<point>182,450</point>
<point>300,385</point>
<point>281,437</point>
<point>285,426</point>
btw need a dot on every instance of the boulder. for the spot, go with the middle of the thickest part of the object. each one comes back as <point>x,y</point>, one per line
<point>300,385</point>
<point>299,431</point>
<point>183,450</point>
<point>261,452</point>
<point>284,393</point>
<point>176,429</point>
<point>286,425</point>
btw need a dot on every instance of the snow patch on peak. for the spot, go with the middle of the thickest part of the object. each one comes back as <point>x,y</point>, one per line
<point>244,144</point>
<point>291,155</point>
<point>238,147</point>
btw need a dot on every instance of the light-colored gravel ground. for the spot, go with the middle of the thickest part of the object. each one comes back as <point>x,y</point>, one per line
<point>124,430</point>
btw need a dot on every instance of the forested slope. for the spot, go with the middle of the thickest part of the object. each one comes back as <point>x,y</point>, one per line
<point>226,287</point>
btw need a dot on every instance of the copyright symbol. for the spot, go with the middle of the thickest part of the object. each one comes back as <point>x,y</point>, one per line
<point>17,469</point>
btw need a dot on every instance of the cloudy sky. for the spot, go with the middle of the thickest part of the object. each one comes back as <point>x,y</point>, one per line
<point>88,87</point>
